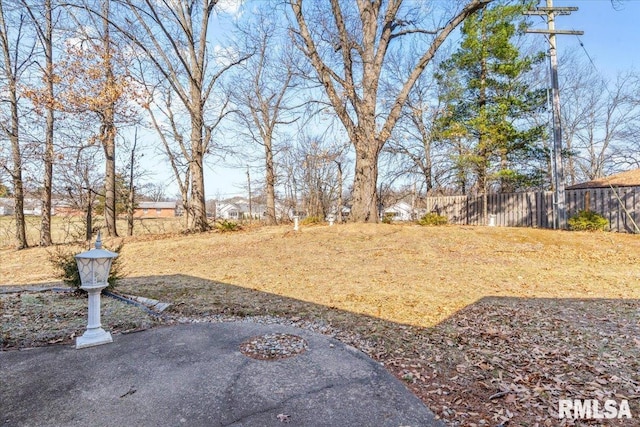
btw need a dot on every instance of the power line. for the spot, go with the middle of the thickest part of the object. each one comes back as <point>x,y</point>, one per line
<point>550,12</point>
<point>595,67</point>
<point>587,53</point>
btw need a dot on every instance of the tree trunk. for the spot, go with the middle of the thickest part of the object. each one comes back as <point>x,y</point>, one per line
<point>340,202</point>
<point>250,197</point>
<point>270,184</point>
<point>12,132</point>
<point>197,202</point>
<point>365,196</point>
<point>89,218</point>
<point>428,164</point>
<point>132,197</point>
<point>482,103</point>
<point>18,191</point>
<point>186,209</point>
<point>198,220</point>
<point>16,173</point>
<point>108,134</point>
<point>110,181</point>
<point>485,201</point>
<point>130,212</point>
<point>505,185</point>
<point>45,228</point>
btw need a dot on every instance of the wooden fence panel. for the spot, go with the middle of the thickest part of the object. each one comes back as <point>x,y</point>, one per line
<point>621,206</point>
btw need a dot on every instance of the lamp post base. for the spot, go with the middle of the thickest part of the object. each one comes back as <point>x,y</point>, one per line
<point>93,337</point>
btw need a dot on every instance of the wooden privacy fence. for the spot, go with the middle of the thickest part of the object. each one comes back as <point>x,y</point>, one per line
<point>621,206</point>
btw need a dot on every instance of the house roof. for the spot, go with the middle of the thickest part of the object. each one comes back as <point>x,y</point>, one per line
<point>157,205</point>
<point>625,179</point>
<point>225,206</point>
<point>399,206</point>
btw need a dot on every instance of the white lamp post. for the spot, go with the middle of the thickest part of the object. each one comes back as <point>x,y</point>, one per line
<point>94,267</point>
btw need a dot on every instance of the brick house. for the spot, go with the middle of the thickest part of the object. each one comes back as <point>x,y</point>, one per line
<point>156,210</point>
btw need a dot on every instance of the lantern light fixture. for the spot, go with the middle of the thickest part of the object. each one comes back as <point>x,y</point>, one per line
<point>94,267</point>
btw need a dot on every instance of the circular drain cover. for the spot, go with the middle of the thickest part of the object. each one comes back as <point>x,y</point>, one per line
<point>273,346</point>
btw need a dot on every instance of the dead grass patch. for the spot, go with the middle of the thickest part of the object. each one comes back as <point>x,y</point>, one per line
<point>31,319</point>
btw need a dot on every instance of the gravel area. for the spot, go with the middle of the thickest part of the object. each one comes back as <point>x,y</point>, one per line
<point>273,346</point>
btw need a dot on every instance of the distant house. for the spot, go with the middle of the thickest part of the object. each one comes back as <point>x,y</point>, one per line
<point>6,206</point>
<point>33,207</point>
<point>156,210</point>
<point>229,211</point>
<point>65,208</point>
<point>624,179</point>
<point>400,211</point>
<point>237,208</point>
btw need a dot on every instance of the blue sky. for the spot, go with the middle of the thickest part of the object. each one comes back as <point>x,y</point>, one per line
<point>611,35</point>
<point>611,38</point>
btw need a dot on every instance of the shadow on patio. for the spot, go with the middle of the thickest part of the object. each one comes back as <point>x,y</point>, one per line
<point>499,359</point>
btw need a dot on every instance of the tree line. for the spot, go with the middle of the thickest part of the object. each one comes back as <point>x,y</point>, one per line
<point>311,91</point>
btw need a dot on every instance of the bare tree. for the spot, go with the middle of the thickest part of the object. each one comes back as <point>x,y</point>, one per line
<point>174,37</point>
<point>174,144</point>
<point>600,119</point>
<point>414,150</point>
<point>78,181</point>
<point>155,191</point>
<point>348,46</point>
<point>314,170</point>
<point>607,125</point>
<point>42,20</point>
<point>93,79</point>
<point>263,86</point>
<point>132,173</point>
<point>14,63</point>
<point>108,127</point>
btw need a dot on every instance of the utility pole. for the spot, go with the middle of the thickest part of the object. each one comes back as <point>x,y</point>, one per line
<point>559,209</point>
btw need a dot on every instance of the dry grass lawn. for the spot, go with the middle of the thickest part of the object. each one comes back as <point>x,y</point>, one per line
<point>486,325</point>
<point>67,229</point>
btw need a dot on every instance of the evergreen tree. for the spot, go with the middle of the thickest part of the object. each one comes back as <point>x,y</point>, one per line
<point>488,100</point>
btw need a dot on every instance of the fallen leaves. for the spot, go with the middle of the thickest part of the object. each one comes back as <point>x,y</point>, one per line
<point>510,360</point>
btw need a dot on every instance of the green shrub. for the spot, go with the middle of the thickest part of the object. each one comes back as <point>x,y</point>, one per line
<point>225,226</point>
<point>311,220</point>
<point>387,218</point>
<point>64,261</point>
<point>588,221</point>
<point>433,218</point>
